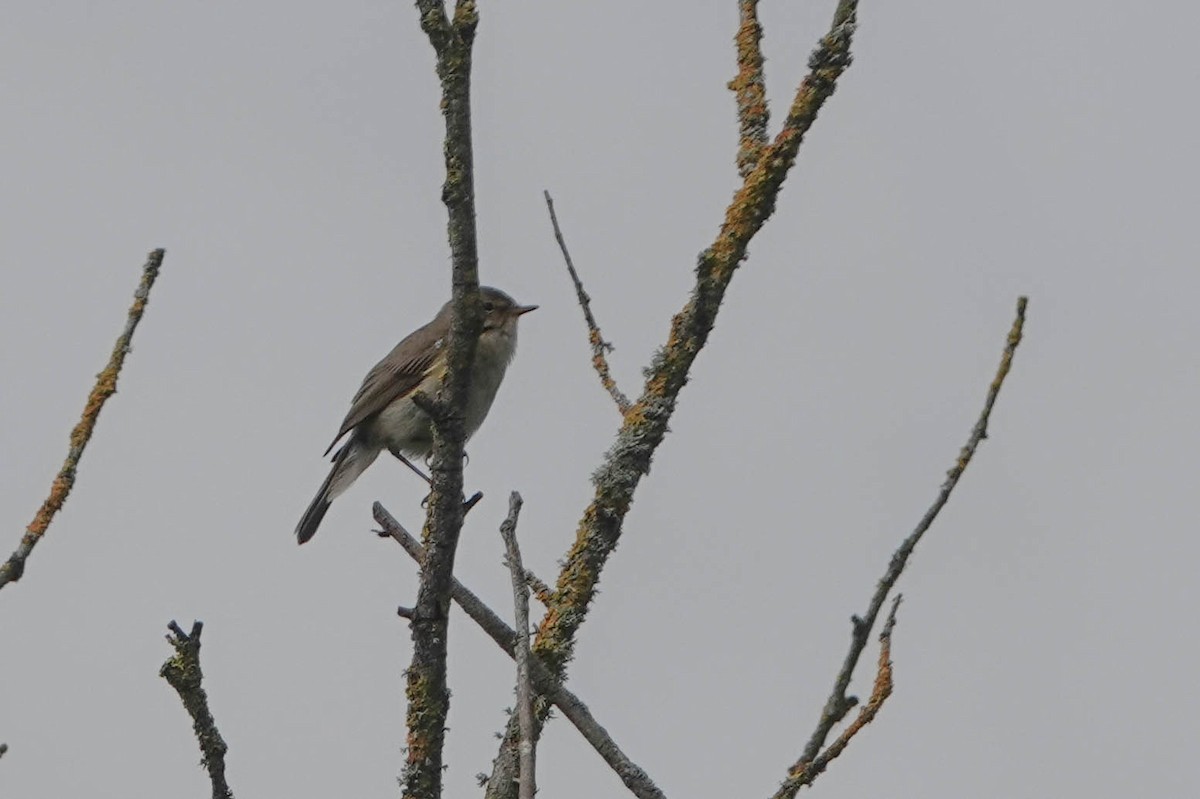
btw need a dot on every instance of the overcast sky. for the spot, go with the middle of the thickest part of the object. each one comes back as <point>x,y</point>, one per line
<point>288,157</point>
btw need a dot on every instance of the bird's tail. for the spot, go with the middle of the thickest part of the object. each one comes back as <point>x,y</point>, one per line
<point>348,463</point>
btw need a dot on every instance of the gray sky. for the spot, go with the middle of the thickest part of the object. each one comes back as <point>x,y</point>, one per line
<point>287,155</point>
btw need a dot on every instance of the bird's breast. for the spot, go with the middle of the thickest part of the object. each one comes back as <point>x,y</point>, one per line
<point>492,356</point>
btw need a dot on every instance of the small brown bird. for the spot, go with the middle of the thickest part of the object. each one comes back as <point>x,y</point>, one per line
<point>382,414</point>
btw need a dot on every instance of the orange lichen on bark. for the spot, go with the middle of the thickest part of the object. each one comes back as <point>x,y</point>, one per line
<point>81,433</point>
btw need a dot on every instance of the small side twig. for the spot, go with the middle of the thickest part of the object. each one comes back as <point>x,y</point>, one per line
<point>573,708</point>
<point>539,587</point>
<point>471,502</point>
<point>182,672</point>
<point>803,774</point>
<point>527,747</point>
<point>600,347</point>
<point>3,749</point>
<point>839,704</point>
<point>750,89</point>
<point>106,385</point>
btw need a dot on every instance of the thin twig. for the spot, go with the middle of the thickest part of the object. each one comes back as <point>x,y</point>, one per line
<point>839,704</point>
<point>575,711</point>
<point>600,347</point>
<point>804,773</point>
<point>646,423</point>
<point>750,89</point>
<point>539,588</point>
<point>183,673</point>
<point>3,749</point>
<point>106,385</point>
<point>528,742</point>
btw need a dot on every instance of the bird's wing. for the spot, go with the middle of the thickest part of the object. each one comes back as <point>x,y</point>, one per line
<point>393,377</point>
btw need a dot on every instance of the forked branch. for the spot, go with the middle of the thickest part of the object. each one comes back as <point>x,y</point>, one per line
<point>182,672</point>
<point>750,88</point>
<point>646,422</point>
<point>572,707</point>
<point>813,760</point>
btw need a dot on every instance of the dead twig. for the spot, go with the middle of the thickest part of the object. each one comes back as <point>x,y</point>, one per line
<point>803,774</point>
<point>839,704</point>
<point>600,347</point>
<point>182,672</point>
<point>749,87</point>
<point>539,588</point>
<point>106,385</point>
<point>528,744</point>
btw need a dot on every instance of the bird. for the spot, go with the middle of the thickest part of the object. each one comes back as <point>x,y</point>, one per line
<point>383,415</point>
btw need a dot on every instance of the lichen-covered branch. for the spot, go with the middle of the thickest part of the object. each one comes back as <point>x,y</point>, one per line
<point>527,746</point>
<point>600,347</point>
<point>539,588</point>
<point>182,672</point>
<point>645,424</point>
<point>634,777</point>
<point>749,87</point>
<point>106,385</point>
<point>426,690</point>
<point>804,772</point>
<point>839,703</point>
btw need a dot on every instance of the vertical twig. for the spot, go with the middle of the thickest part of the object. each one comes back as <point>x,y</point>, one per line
<point>813,760</point>
<point>426,690</point>
<point>749,87</point>
<point>527,747</point>
<point>182,672</point>
<point>106,385</point>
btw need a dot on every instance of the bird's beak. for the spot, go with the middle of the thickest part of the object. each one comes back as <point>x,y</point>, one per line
<point>523,309</point>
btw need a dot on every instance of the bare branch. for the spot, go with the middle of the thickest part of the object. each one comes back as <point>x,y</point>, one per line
<point>638,782</point>
<point>106,385</point>
<point>600,347</point>
<point>645,425</point>
<point>803,773</point>
<point>839,704</point>
<point>426,690</point>
<point>750,89</point>
<point>183,673</point>
<point>528,743</point>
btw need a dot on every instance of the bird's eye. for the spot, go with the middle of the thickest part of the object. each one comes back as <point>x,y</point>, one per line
<point>489,306</point>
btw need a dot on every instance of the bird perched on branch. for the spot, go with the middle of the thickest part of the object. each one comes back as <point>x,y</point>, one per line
<point>383,415</point>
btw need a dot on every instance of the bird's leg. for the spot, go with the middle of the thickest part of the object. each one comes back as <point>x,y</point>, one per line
<point>466,458</point>
<point>470,503</point>
<point>411,465</point>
